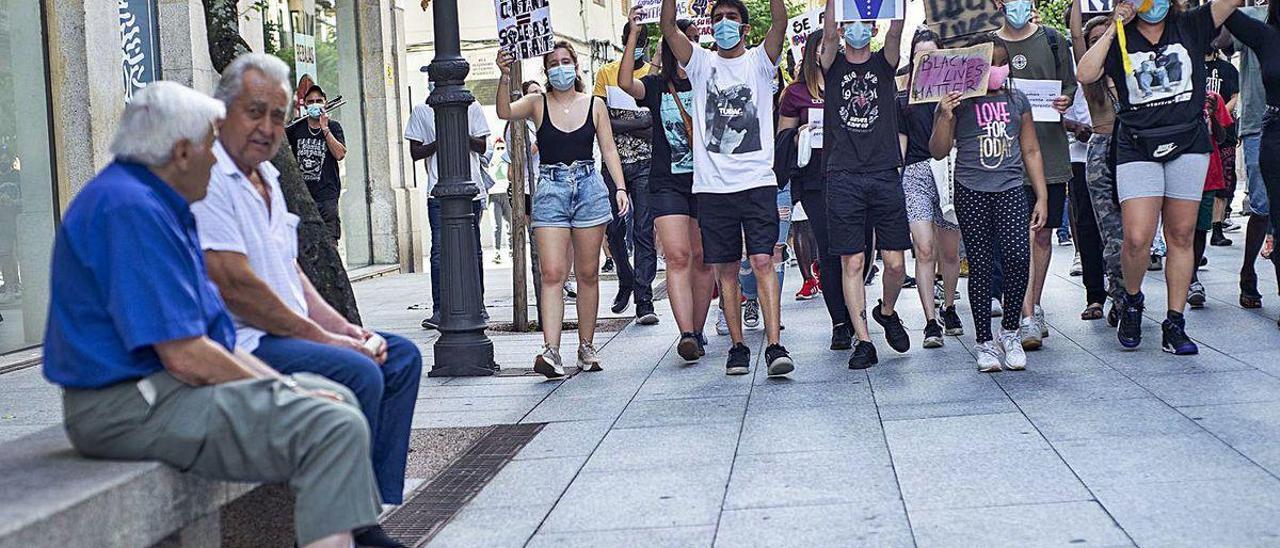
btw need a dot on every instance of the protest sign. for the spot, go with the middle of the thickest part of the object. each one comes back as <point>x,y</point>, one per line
<point>940,72</point>
<point>799,28</point>
<point>1097,7</point>
<point>524,27</point>
<point>693,10</point>
<point>1041,93</point>
<point>954,19</point>
<point>869,10</point>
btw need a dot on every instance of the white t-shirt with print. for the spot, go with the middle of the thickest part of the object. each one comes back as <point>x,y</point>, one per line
<point>732,121</point>
<point>422,128</point>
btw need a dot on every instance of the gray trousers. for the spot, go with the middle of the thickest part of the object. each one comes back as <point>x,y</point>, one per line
<point>250,430</point>
<point>1101,180</point>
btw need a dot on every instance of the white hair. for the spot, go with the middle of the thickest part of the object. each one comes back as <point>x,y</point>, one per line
<point>160,116</point>
<point>232,82</point>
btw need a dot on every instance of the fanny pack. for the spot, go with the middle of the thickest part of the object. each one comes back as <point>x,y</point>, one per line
<point>1166,143</point>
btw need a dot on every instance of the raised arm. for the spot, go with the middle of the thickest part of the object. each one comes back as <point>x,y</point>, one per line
<point>1250,32</point>
<point>893,43</point>
<point>1076,23</point>
<point>944,127</point>
<point>676,40</point>
<point>830,40</point>
<point>626,70</point>
<point>777,35</point>
<point>1222,9</point>
<point>522,108</point>
<point>1093,62</point>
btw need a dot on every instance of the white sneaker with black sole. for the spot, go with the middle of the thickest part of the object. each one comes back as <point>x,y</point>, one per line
<point>548,363</point>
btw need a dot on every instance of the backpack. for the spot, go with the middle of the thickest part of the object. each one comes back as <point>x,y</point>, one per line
<point>1055,43</point>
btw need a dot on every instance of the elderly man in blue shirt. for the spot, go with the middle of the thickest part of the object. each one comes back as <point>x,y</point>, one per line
<point>251,246</point>
<point>145,350</point>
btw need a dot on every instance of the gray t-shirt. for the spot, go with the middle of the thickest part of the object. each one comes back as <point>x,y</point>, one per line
<point>1253,96</point>
<point>988,141</point>
<point>1032,58</point>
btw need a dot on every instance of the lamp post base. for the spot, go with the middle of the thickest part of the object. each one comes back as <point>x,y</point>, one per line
<point>463,356</point>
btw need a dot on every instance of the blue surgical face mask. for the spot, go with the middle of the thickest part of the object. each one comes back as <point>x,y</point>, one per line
<point>1018,13</point>
<point>1159,9</point>
<point>857,34</point>
<point>562,77</point>
<point>315,111</point>
<point>639,54</point>
<point>727,33</point>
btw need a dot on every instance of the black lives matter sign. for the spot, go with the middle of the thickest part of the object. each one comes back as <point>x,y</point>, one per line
<point>524,27</point>
<point>957,19</point>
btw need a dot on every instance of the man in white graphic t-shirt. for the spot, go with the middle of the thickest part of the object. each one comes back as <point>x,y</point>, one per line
<point>733,162</point>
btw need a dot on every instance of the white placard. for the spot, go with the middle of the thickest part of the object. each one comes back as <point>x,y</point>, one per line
<point>524,27</point>
<point>869,10</point>
<point>799,28</point>
<point>616,98</point>
<point>815,122</point>
<point>1094,7</point>
<point>304,56</point>
<point>1041,93</point>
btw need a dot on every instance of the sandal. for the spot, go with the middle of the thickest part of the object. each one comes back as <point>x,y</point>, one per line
<point>1092,312</point>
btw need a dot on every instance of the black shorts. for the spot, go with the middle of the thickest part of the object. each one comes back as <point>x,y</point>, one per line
<point>1057,198</point>
<point>858,202</point>
<point>725,219</point>
<point>672,201</point>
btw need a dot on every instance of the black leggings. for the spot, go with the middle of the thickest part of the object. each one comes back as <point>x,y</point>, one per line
<point>815,205</point>
<point>987,218</point>
<point>1088,237</point>
<point>806,248</point>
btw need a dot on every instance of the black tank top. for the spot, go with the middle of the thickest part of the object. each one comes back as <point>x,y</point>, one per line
<point>560,147</point>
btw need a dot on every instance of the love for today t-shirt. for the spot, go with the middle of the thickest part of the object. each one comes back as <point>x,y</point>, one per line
<point>988,141</point>
<point>732,121</point>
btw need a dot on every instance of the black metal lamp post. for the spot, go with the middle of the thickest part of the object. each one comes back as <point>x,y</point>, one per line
<point>462,350</point>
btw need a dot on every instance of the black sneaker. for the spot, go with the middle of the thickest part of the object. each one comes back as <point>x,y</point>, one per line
<point>933,334</point>
<point>908,282</point>
<point>842,337</point>
<point>432,322</point>
<point>702,343</point>
<point>621,301</point>
<point>739,362</point>
<point>645,315</point>
<point>951,322</point>
<point>1113,315</point>
<point>1156,264</point>
<point>1130,329</point>
<point>376,537</point>
<point>1217,239</point>
<point>688,348</point>
<point>871,275</point>
<point>778,360</point>
<point>864,355</point>
<point>608,265</point>
<point>1173,336</point>
<point>894,333</point>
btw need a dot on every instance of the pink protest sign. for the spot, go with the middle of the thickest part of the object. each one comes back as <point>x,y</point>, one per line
<point>940,72</point>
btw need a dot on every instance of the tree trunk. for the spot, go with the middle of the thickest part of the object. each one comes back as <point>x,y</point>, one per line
<point>316,250</point>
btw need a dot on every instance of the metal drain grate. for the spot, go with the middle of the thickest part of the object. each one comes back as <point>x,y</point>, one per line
<point>429,508</point>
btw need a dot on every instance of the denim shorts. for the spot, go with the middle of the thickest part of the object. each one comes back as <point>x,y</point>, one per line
<point>573,196</point>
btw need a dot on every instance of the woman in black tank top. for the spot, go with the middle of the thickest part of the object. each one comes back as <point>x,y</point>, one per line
<point>570,201</point>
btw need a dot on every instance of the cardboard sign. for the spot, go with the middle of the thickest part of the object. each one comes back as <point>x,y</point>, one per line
<point>1097,7</point>
<point>938,73</point>
<point>799,28</point>
<point>954,19</point>
<point>869,10</point>
<point>1041,93</point>
<point>524,27</point>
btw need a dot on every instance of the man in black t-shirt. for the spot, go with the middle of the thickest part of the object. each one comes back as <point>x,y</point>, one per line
<point>318,144</point>
<point>864,184</point>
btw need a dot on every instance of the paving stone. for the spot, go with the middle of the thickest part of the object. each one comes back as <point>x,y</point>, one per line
<point>946,409</point>
<point>478,403</point>
<point>482,417</point>
<point>1211,388</point>
<point>1266,361</point>
<point>670,537</point>
<point>1039,385</point>
<point>1059,421</point>
<point>960,435</point>
<point>1155,459</point>
<point>566,439</point>
<point>1257,422</point>
<point>1147,362</point>
<point>856,475</point>
<point>683,411</point>
<point>708,387</point>
<point>653,498</point>
<point>802,429</point>
<point>932,480</point>
<point>535,482</point>
<point>812,395</point>
<point>557,408</point>
<point>1234,512</point>
<point>880,524</point>
<point>1032,525</point>
<point>891,388</point>
<point>665,447</point>
<point>493,526</point>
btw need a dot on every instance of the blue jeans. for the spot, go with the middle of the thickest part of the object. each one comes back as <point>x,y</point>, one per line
<point>746,276</point>
<point>570,197</point>
<point>387,394</point>
<point>1257,187</point>
<point>436,224</point>
<point>637,228</point>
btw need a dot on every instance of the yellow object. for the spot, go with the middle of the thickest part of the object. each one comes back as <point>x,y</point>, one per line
<point>1145,6</point>
<point>1124,45</point>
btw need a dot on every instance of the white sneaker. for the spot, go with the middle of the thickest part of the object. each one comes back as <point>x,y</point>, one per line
<point>662,264</point>
<point>1029,332</point>
<point>988,357</point>
<point>1076,268</point>
<point>1038,314</point>
<point>722,325</point>
<point>1015,358</point>
<point>548,363</point>
<point>587,358</point>
<point>996,310</point>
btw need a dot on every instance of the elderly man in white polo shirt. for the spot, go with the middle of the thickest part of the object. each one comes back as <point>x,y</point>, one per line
<point>251,247</point>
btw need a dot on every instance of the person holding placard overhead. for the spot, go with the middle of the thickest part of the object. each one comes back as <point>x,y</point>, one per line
<point>1040,58</point>
<point>996,149</point>
<point>669,96</point>
<point>864,184</point>
<point>1162,147</point>
<point>733,177</point>
<point>570,203</point>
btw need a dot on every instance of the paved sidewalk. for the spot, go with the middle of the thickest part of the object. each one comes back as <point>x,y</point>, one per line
<point>1091,446</point>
